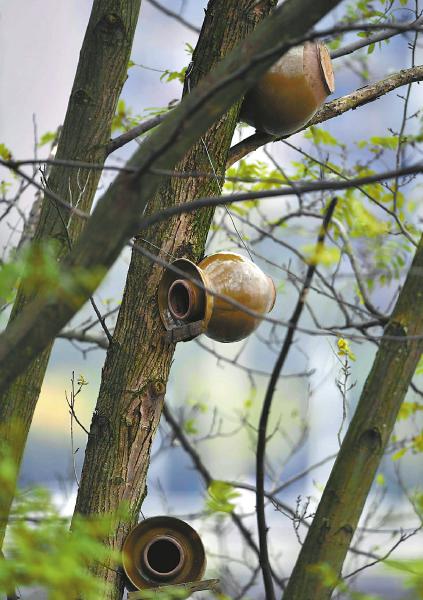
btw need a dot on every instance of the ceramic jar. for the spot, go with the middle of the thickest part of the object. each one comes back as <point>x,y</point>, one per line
<point>182,301</point>
<point>289,94</point>
<point>163,551</point>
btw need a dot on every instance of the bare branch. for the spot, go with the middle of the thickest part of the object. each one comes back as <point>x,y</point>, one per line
<point>265,411</point>
<point>403,537</point>
<point>86,338</point>
<point>133,133</point>
<point>373,39</point>
<point>205,474</point>
<point>174,15</point>
<point>300,187</point>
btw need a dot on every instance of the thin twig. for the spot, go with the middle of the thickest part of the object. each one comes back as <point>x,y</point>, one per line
<point>174,15</point>
<point>265,412</point>
<point>207,477</point>
<point>133,133</point>
<point>372,39</point>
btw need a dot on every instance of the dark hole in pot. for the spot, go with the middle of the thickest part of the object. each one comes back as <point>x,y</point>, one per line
<point>179,298</point>
<point>164,556</point>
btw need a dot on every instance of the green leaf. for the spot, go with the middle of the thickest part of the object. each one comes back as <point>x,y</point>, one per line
<point>5,153</point>
<point>321,255</point>
<point>44,553</point>
<point>190,426</point>
<point>408,409</point>
<point>389,141</point>
<point>189,49</point>
<point>47,137</point>
<point>321,136</point>
<point>399,454</point>
<point>168,76</point>
<point>220,496</point>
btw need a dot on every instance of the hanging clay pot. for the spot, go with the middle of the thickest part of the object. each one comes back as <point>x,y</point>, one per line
<point>181,301</point>
<point>289,94</point>
<point>163,551</point>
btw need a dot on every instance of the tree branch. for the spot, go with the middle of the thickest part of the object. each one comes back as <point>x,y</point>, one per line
<point>133,133</point>
<point>206,476</point>
<point>337,516</point>
<point>327,185</point>
<point>100,75</point>
<point>333,109</point>
<point>174,15</point>
<point>265,411</point>
<point>79,336</point>
<point>373,39</point>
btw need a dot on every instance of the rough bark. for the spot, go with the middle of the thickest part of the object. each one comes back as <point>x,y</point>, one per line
<point>100,75</point>
<point>137,366</point>
<point>362,449</point>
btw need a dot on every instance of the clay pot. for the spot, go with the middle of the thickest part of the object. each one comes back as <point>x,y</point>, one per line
<point>181,301</point>
<point>163,551</point>
<point>289,94</point>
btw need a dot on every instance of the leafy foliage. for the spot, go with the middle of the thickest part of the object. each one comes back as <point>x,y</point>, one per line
<point>47,138</point>
<point>344,349</point>
<point>41,551</point>
<point>39,271</point>
<point>5,153</point>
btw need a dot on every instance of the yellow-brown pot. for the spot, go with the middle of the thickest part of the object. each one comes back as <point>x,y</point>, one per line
<point>289,94</point>
<point>181,301</point>
<point>163,551</point>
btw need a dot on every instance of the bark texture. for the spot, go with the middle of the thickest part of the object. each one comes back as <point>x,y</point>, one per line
<point>337,516</point>
<point>100,75</point>
<point>137,366</point>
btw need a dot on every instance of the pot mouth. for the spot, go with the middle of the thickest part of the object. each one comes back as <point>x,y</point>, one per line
<point>163,557</point>
<point>181,300</point>
<point>184,300</point>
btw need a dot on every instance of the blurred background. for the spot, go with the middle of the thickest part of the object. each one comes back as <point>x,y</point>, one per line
<point>215,390</point>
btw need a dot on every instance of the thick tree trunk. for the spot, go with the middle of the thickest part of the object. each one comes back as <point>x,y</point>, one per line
<point>101,73</point>
<point>362,449</point>
<point>138,362</point>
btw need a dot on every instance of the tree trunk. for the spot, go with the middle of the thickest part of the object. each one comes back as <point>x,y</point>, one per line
<point>101,73</point>
<point>362,449</point>
<point>137,366</point>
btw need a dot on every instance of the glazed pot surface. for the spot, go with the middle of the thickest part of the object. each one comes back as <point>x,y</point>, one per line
<point>289,94</point>
<point>232,275</point>
<point>183,301</point>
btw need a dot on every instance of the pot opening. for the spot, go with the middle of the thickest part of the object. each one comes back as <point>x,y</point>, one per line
<point>163,557</point>
<point>182,300</point>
